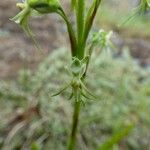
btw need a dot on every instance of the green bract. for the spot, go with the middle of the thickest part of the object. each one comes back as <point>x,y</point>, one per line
<point>78,67</point>
<point>44,6</point>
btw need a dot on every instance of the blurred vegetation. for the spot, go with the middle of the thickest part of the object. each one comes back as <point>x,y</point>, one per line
<point>118,120</point>
<point>108,18</point>
<point>31,119</point>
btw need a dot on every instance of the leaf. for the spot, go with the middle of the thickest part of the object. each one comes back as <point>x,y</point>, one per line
<point>61,90</point>
<point>85,96</point>
<point>87,90</point>
<point>71,95</point>
<point>116,138</point>
<point>90,17</point>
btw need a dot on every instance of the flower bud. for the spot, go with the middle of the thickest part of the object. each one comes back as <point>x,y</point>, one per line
<point>23,15</point>
<point>44,6</point>
<point>21,5</point>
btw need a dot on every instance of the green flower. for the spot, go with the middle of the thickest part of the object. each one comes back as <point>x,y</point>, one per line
<point>102,39</point>
<point>22,17</point>
<point>34,8</point>
<point>29,7</point>
<point>44,6</point>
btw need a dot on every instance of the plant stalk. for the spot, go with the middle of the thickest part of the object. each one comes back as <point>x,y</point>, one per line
<point>83,29</point>
<point>72,36</point>
<point>80,13</point>
<point>72,139</point>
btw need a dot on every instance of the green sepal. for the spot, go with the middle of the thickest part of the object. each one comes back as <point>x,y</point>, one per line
<point>61,90</point>
<point>22,19</point>
<point>71,96</point>
<point>78,67</point>
<point>87,90</point>
<point>87,96</point>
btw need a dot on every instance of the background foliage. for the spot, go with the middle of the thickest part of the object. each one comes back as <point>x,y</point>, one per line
<point>43,122</point>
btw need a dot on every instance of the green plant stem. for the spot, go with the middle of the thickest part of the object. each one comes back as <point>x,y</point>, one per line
<point>72,139</point>
<point>80,27</point>
<point>83,29</point>
<point>72,36</point>
<point>79,54</point>
<point>80,18</point>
